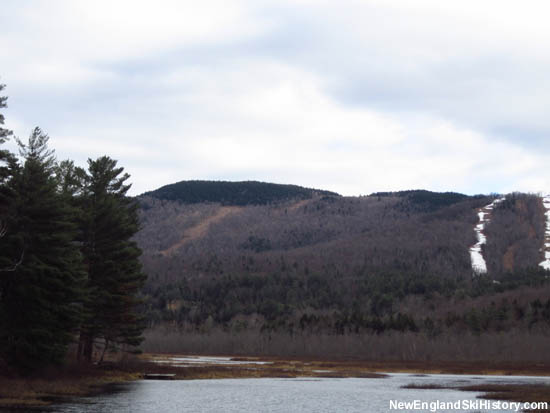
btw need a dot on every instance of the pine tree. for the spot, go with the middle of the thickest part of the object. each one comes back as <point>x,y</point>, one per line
<point>8,165</point>
<point>114,271</point>
<point>70,180</point>
<point>10,255</point>
<point>41,303</point>
<point>4,133</point>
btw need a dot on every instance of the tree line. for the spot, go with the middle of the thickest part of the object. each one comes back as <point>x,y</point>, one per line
<point>69,270</point>
<point>368,303</point>
<point>234,193</point>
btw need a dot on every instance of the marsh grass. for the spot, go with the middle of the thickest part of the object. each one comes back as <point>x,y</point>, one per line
<point>318,367</point>
<point>46,386</point>
<point>56,385</point>
<point>509,392</point>
<point>422,386</point>
<point>514,392</point>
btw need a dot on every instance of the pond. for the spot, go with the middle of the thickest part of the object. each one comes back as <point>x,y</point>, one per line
<point>293,395</point>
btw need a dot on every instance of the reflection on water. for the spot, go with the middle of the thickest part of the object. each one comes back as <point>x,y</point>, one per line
<point>281,395</point>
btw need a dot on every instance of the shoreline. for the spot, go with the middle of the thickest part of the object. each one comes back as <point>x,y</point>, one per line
<point>42,390</point>
<point>78,381</point>
<point>351,365</point>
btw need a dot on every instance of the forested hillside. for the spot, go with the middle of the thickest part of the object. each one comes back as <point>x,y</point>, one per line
<point>302,270</point>
<point>516,234</point>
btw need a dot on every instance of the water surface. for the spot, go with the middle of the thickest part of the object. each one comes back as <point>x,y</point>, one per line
<point>282,395</point>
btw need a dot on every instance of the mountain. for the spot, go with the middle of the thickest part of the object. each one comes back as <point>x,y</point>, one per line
<point>233,193</point>
<point>256,267</point>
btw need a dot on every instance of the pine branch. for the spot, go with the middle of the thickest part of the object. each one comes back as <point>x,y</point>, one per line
<point>15,265</point>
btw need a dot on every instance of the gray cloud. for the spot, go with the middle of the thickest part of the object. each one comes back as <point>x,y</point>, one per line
<point>358,97</point>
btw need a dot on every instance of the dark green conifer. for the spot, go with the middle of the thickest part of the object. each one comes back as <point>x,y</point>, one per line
<point>8,165</point>
<point>71,181</point>
<point>114,271</point>
<point>10,256</point>
<point>4,133</point>
<point>41,302</point>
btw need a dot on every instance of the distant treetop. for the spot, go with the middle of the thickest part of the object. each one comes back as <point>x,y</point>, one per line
<point>233,193</point>
<point>426,199</point>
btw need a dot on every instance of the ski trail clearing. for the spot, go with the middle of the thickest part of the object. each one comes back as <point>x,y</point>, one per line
<point>201,228</point>
<point>546,263</point>
<point>478,262</point>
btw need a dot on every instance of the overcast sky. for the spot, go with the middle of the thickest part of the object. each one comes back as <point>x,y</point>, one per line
<point>349,96</point>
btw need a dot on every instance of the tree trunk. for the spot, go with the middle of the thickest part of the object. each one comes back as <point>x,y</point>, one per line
<point>104,350</point>
<point>80,348</point>
<point>85,348</point>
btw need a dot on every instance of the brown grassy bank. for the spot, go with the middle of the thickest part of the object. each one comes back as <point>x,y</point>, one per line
<point>532,393</point>
<point>57,385</point>
<point>45,387</point>
<point>323,367</point>
<point>514,392</point>
<point>247,368</point>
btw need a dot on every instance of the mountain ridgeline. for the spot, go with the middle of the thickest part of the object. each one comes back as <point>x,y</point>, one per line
<point>233,193</point>
<point>426,200</point>
<point>248,267</point>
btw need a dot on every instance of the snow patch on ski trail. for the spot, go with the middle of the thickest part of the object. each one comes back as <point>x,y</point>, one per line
<point>546,263</point>
<point>479,266</point>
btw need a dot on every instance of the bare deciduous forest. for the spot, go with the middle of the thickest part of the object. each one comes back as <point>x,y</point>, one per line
<point>385,276</point>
